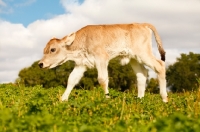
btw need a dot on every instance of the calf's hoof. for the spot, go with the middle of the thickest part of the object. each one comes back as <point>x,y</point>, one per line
<point>107,96</point>
<point>165,99</point>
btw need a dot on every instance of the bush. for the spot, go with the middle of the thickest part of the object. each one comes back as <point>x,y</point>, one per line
<point>120,77</point>
<point>182,75</point>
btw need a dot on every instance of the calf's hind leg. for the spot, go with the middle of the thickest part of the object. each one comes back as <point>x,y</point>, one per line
<point>159,67</point>
<point>141,74</point>
<point>103,75</point>
<point>162,81</point>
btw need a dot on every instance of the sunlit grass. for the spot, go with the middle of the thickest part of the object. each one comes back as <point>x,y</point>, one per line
<point>38,109</point>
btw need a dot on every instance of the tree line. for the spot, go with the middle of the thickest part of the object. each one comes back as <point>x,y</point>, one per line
<point>181,76</point>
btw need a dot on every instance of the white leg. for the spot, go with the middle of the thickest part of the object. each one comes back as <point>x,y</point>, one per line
<point>162,81</point>
<point>141,74</point>
<point>141,83</point>
<point>159,67</point>
<point>73,79</point>
<point>103,76</point>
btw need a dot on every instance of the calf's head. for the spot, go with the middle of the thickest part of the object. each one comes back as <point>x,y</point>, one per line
<point>55,52</point>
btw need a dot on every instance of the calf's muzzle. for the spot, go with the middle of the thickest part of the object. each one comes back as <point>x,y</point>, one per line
<point>40,65</point>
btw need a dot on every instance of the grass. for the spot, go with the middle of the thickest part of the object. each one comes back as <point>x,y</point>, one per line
<point>38,109</point>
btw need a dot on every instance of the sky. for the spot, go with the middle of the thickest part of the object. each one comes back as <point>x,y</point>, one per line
<point>27,25</point>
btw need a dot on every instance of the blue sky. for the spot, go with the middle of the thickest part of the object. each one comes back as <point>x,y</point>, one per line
<point>27,25</point>
<point>27,11</point>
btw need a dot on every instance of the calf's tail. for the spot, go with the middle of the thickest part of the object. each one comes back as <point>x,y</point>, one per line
<point>158,40</point>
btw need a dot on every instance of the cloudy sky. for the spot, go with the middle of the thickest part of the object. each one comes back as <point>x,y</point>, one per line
<point>27,25</point>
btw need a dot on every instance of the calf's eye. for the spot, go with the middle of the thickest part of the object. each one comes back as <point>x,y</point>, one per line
<point>53,49</point>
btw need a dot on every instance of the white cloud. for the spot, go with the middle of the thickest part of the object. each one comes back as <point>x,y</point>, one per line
<point>2,3</point>
<point>25,3</point>
<point>176,21</point>
<point>22,37</point>
<point>4,8</point>
<point>8,76</point>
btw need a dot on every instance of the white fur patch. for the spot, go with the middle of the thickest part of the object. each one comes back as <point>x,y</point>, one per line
<point>125,61</point>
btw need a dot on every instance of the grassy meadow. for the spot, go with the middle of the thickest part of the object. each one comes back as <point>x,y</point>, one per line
<point>36,109</point>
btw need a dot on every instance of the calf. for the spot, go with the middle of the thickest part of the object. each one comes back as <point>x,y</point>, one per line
<point>95,45</point>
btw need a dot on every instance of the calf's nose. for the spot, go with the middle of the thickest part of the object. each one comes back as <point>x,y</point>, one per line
<point>40,65</point>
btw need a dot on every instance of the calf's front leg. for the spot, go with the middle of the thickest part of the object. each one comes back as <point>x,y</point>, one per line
<point>74,78</point>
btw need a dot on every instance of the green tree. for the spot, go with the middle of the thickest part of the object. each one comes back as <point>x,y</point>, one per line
<point>182,75</point>
<point>152,86</point>
<point>120,77</point>
<point>33,75</point>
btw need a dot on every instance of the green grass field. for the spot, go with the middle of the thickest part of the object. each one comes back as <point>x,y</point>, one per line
<point>35,109</point>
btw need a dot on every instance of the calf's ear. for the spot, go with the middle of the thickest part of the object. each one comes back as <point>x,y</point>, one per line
<point>69,39</point>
